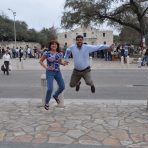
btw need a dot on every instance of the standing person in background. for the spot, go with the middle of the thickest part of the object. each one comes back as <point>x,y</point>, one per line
<point>109,54</point>
<point>145,58</point>
<point>126,51</point>
<point>13,52</point>
<point>6,59</point>
<point>28,52</point>
<point>3,51</point>
<point>54,58</point>
<point>17,52</point>
<point>123,53</point>
<point>35,52</point>
<point>0,53</point>
<point>20,53</point>
<point>82,69</point>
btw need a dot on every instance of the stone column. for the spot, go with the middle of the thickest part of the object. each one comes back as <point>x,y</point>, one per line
<point>122,61</point>
<point>43,88</point>
<point>128,61</point>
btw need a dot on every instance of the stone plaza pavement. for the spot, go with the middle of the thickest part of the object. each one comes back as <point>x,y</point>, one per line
<point>93,123</point>
<point>24,123</point>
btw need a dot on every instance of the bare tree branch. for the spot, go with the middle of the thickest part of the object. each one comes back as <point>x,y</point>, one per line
<point>144,12</point>
<point>123,23</point>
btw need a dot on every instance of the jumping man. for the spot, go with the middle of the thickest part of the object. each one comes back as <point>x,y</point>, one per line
<point>80,53</point>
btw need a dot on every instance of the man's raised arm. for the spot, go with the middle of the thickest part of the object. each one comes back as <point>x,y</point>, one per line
<point>93,48</point>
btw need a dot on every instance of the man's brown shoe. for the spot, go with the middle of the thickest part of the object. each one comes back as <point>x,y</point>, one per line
<point>93,89</point>
<point>78,86</point>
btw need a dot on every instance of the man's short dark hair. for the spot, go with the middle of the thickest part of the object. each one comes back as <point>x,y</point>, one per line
<point>79,36</point>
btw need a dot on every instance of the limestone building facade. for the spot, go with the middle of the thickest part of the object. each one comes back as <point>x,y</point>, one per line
<point>91,36</point>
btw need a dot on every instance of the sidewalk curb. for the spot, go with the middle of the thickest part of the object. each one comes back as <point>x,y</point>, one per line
<point>80,101</point>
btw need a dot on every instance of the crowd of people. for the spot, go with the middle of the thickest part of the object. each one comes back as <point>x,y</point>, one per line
<point>11,53</point>
<point>20,52</point>
<point>110,54</point>
<point>123,50</point>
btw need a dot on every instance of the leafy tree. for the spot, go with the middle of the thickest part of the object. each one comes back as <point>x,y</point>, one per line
<point>23,33</point>
<point>48,34</point>
<point>32,35</point>
<point>129,35</point>
<point>43,39</point>
<point>116,39</point>
<point>130,13</point>
<point>5,29</point>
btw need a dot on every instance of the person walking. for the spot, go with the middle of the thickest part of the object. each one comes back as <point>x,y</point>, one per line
<point>80,53</point>
<point>29,54</point>
<point>54,58</point>
<point>6,59</point>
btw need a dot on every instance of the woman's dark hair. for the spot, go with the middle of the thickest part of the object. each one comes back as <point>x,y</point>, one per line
<point>52,42</point>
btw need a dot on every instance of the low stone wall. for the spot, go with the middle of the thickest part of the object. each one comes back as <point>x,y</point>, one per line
<point>19,44</point>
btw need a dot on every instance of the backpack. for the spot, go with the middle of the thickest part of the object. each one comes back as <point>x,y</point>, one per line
<point>3,68</point>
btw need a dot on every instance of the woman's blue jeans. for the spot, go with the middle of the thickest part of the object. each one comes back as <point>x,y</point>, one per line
<point>50,76</point>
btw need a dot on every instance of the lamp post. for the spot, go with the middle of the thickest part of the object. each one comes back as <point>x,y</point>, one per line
<point>14,14</point>
<point>1,13</point>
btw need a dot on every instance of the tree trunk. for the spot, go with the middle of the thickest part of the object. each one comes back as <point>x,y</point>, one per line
<point>142,27</point>
<point>142,23</point>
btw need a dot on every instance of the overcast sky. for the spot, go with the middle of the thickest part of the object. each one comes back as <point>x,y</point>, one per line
<point>36,13</point>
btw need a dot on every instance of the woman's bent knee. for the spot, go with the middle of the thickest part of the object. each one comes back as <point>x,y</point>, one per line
<point>63,87</point>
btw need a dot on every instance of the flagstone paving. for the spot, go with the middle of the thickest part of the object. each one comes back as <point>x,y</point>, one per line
<point>85,123</point>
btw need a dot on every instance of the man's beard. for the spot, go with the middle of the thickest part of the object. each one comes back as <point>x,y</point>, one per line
<point>79,45</point>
